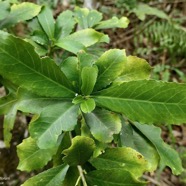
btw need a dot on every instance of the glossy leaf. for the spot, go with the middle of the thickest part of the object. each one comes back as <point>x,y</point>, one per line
<point>88,105</point>
<point>40,37</point>
<point>119,177</point>
<point>40,50</point>
<point>52,121</point>
<point>31,157</point>
<point>51,177</point>
<point>31,103</point>
<point>85,60</point>
<point>114,22</point>
<point>47,21</point>
<point>64,24</point>
<point>80,151</point>
<point>146,101</point>
<point>168,156</point>
<point>110,66</point>
<point>21,64</point>
<point>135,69</point>
<point>131,137</point>
<point>121,158</point>
<point>21,12</point>
<point>88,79</point>
<point>70,68</point>
<point>87,18</point>
<point>81,39</point>
<point>103,124</point>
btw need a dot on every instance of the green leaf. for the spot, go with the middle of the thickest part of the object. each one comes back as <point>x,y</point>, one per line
<point>134,69</point>
<point>88,79</point>
<point>64,24</point>
<point>144,9</point>
<point>119,177</point>
<point>81,39</point>
<point>110,66</point>
<point>168,156</point>
<point>8,124</point>
<point>31,157</point>
<point>21,12</point>
<point>6,103</point>
<point>52,121</point>
<point>121,158</point>
<point>40,37</point>
<point>51,177</point>
<point>30,103</point>
<point>113,23</point>
<point>146,101</point>
<point>71,177</point>
<point>85,59</point>
<point>70,68</point>
<point>4,9</point>
<point>87,18</point>
<point>103,124</point>
<point>80,151</point>
<point>47,21</point>
<point>88,105</point>
<point>24,68</point>
<point>40,50</point>
<point>132,137</point>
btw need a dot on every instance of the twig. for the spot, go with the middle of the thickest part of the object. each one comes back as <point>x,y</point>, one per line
<point>82,175</point>
<point>151,180</point>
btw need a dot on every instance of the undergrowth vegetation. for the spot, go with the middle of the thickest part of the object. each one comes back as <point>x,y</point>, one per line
<point>96,113</point>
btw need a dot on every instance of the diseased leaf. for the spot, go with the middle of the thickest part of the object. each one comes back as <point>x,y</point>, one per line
<point>51,177</point>
<point>21,65</point>
<point>64,24</point>
<point>88,79</point>
<point>121,158</point>
<point>167,155</point>
<point>103,124</point>
<point>114,22</point>
<point>110,66</point>
<point>52,121</point>
<point>47,21</point>
<point>80,151</point>
<point>21,12</point>
<point>146,101</point>
<point>131,137</point>
<point>88,105</point>
<point>81,39</point>
<point>31,157</point>
<point>119,177</point>
<point>134,69</point>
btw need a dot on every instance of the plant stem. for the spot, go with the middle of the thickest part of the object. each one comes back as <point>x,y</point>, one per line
<point>82,175</point>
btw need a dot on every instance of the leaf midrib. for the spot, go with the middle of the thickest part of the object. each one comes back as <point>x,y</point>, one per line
<point>34,70</point>
<point>138,100</point>
<point>56,120</point>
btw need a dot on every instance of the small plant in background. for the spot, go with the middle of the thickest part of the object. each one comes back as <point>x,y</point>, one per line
<point>95,116</point>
